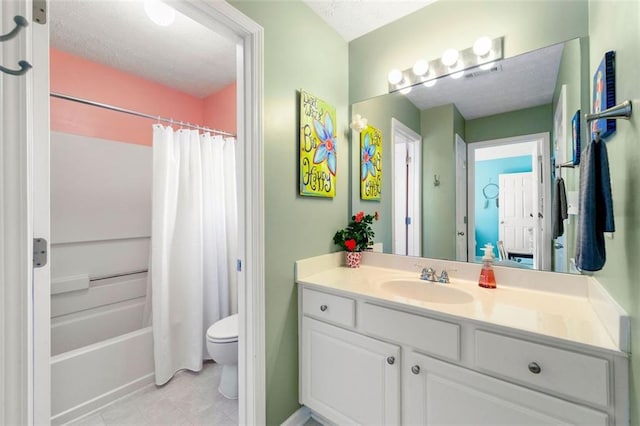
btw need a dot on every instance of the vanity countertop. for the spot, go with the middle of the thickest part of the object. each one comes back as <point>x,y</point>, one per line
<point>565,316</point>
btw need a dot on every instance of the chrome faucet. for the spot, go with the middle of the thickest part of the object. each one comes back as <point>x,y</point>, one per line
<point>429,274</point>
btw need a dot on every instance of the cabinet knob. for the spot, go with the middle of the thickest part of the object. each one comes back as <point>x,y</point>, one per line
<point>534,368</point>
<point>391,360</point>
<point>415,369</point>
<point>323,307</point>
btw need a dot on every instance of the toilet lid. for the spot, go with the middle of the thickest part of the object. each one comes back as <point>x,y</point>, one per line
<point>225,329</point>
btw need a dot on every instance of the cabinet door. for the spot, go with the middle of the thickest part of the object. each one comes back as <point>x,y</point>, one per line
<point>438,393</point>
<point>347,377</point>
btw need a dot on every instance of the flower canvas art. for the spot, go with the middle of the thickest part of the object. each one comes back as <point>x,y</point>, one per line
<point>318,147</point>
<point>370,163</point>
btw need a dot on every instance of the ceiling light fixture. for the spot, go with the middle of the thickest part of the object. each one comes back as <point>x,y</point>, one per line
<point>395,76</point>
<point>159,12</point>
<point>484,53</point>
<point>450,57</point>
<point>421,67</point>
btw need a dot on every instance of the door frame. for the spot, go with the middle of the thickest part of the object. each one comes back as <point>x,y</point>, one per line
<point>399,128</point>
<point>462,244</point>
<point>23,144</point>
<point>541,167</point>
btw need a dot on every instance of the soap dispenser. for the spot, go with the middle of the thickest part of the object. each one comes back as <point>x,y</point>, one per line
<point>487,277</point>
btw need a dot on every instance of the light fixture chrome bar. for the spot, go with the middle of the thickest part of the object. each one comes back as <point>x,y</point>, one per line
<point>622,110</point>
<point>467,59</point>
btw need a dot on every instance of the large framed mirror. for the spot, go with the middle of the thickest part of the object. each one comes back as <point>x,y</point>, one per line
<point>485,147</point>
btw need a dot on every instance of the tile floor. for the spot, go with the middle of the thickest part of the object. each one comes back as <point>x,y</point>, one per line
<point>188,399</point>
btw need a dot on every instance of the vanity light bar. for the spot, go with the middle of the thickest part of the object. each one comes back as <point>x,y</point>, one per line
<point>467,59</point>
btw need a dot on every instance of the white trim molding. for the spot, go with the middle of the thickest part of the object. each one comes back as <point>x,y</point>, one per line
<point>298,418</point>
<point>16,231</point>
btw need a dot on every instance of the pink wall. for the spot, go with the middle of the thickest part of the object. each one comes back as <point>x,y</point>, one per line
<point>220,109</point>
<point>75,76</point>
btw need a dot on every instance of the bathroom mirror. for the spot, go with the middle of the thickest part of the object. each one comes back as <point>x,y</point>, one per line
<point>472,160</point>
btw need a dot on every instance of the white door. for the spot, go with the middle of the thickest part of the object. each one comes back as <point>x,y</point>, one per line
<point>461,200</point>
<point>445,394</point>
<point>517,213</point>
<point>406,190</point>
<point>24,216</point>
<point>347,377</point>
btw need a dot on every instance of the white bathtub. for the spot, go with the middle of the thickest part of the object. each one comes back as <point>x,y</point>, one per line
<point>99,350</point>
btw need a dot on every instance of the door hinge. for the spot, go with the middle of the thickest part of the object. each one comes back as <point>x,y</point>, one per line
<point>39,252</point>
<point>40,11</point>
<point>407,221</point>
<point>239,265</point>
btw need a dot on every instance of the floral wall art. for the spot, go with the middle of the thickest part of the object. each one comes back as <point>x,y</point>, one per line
<point>318,142</point>
<point>370,163</point>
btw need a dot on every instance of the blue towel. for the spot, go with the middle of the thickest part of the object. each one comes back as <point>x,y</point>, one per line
<point>559,209</point>
<point>595,208</point>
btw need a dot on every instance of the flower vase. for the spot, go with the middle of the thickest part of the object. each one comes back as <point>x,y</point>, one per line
<point>353,259</point>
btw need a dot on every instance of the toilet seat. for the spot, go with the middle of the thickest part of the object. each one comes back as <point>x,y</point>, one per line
<point>224,330</point>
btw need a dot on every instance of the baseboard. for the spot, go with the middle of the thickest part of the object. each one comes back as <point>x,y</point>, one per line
<point>101,401</point>
<point>298,418</point>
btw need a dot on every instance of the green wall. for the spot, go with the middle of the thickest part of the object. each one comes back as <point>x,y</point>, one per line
<point>438,127</point>
<point>300,52</point>
<point>526,25</point>
<point>515,123</point>
<point>379,111</point>
<point>616,26</point>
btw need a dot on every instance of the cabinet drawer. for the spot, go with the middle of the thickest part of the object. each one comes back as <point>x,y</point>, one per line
<point>435,337</point>
<point>328,307</point>
<point>569,373</point>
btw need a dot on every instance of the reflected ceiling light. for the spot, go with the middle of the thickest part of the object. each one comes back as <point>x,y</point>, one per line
<point>449,57</point>
<point>406,90</point>
<point>395,76</point>
<point>482,46</point>
<point>159,12</point>
<point>421,67</point>
<point>457,75</point>
<point>430,83</point>
<point>487,66</point>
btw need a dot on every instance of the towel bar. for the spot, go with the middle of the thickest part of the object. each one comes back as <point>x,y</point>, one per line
<point>622,110</point>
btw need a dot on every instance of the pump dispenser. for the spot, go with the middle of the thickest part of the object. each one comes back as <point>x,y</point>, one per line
<point>487,277</point>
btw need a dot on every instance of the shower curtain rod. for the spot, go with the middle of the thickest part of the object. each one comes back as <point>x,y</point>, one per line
<point>138,114</point>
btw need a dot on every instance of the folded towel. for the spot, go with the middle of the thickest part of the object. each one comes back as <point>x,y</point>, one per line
<point>559,212</point>
<point>595,208</point>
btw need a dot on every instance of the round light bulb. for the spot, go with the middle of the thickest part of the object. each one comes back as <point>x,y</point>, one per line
<point>449,57</point>
<point>457,75</point>
<point>395,76</point>
<point>430,83</point>
<point>421,67</point>
<point>159,12</point>
<point>406,90</point>
<point>482,46</point>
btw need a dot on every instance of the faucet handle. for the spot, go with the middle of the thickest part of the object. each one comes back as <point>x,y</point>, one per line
<point>444,277</point>
<point>428,274</point>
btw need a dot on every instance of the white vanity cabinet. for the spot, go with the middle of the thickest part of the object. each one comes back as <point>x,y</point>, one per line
<point>440,393</point>
<point>365,361</point>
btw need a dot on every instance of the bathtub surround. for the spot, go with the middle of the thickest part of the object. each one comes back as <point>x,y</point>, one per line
<point>194,244</point>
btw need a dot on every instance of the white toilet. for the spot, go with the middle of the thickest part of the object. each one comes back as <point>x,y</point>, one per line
<point>222,344</point>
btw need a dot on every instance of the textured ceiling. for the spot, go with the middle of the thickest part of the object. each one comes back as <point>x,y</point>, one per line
<point>185,56</point>
<point>523,81</point>
<point>354,18</point>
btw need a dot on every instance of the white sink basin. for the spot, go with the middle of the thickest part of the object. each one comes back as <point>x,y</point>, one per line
<point>426,291</point>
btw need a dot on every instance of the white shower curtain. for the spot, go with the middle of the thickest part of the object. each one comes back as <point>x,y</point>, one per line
<point>193,244</point>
